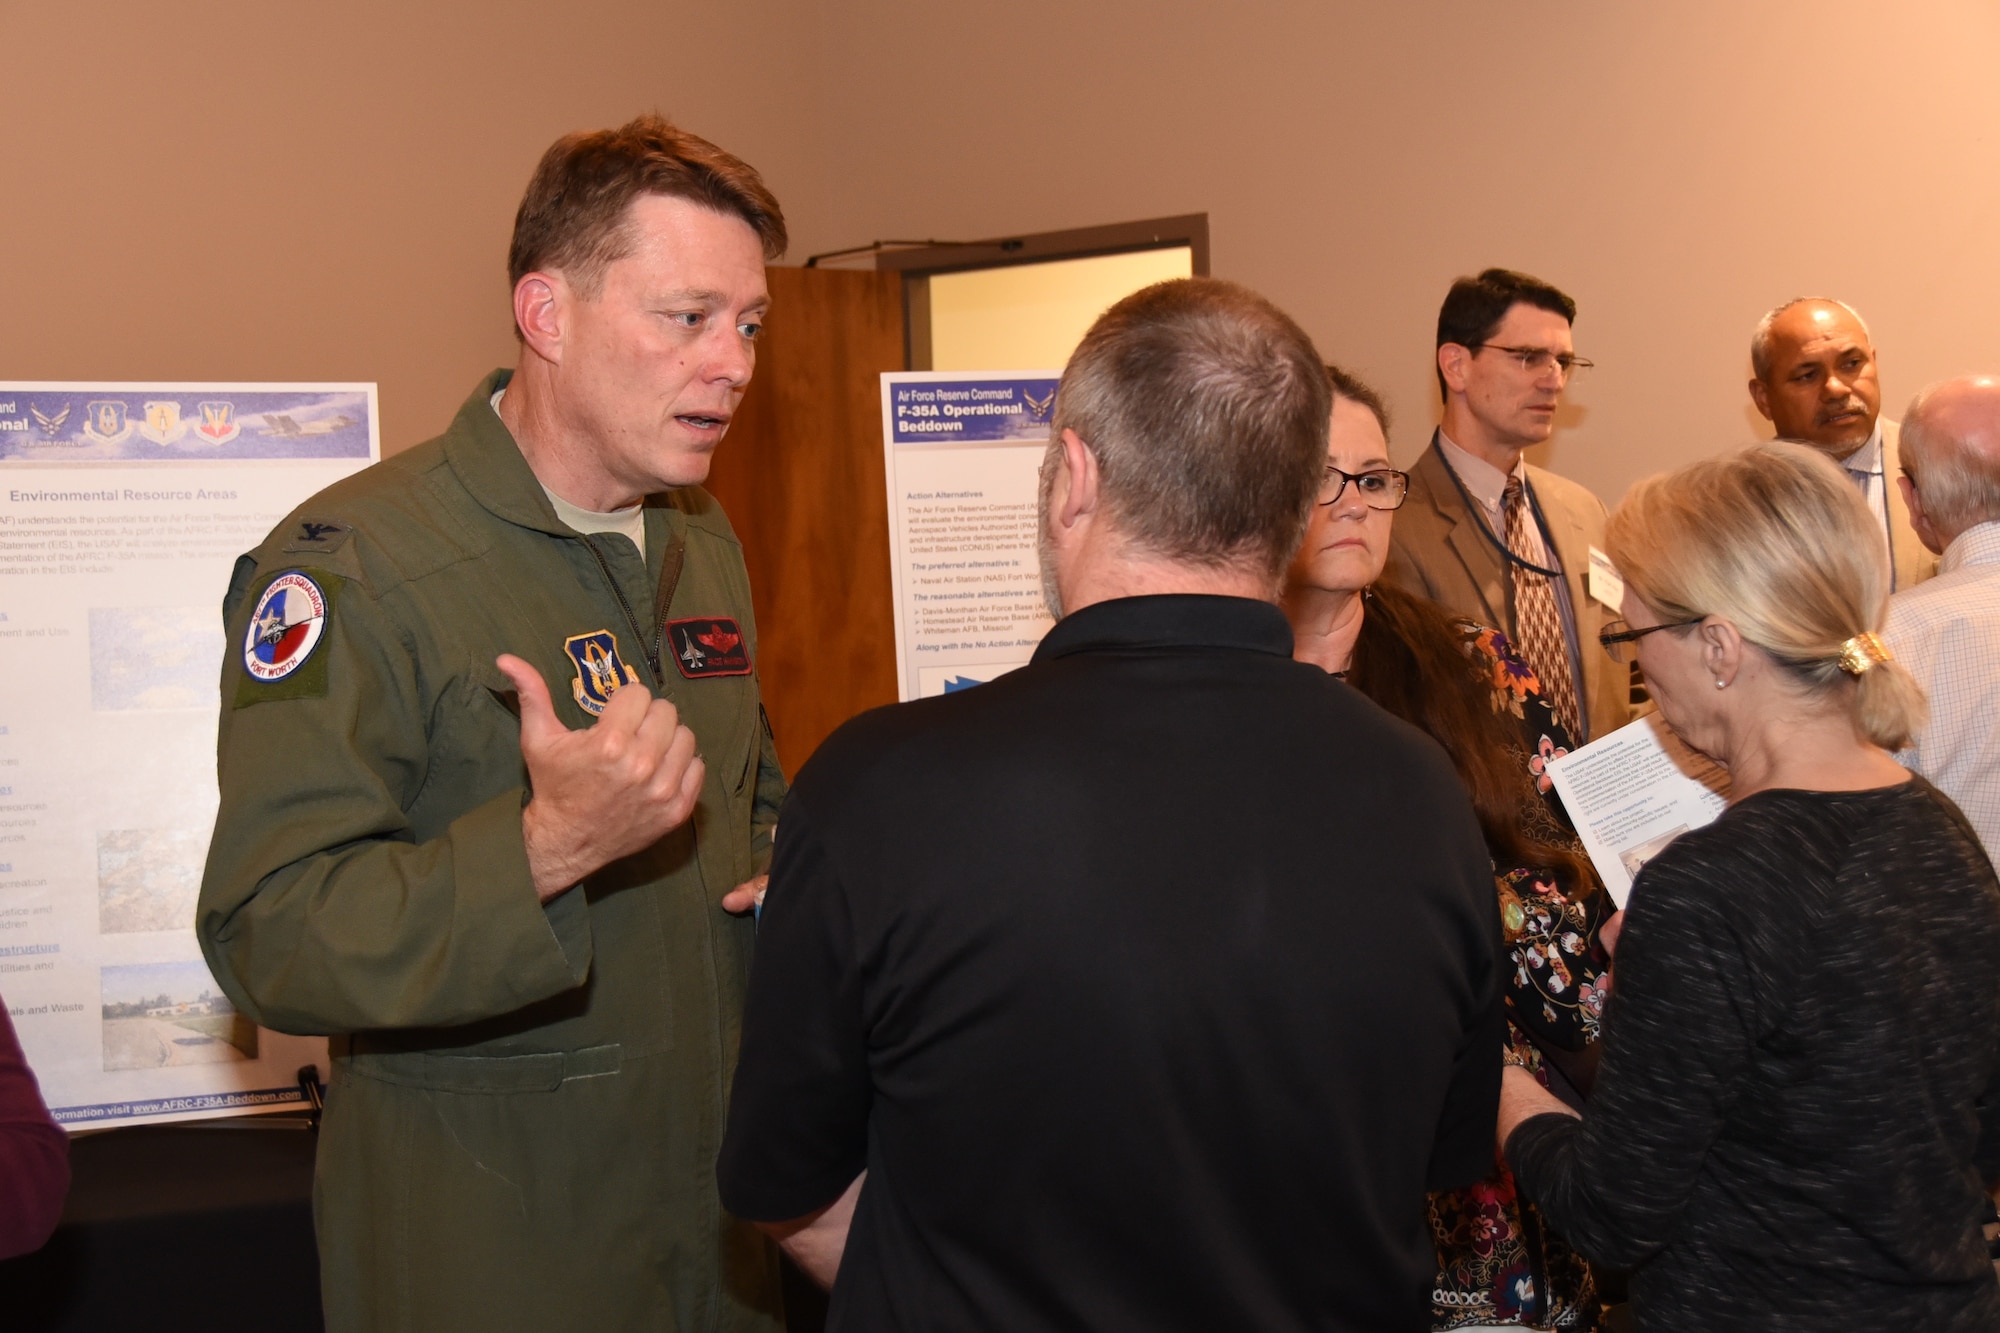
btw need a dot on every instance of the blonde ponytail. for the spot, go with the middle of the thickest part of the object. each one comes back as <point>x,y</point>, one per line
<point>1776,540</point>
<point>1889,705</point>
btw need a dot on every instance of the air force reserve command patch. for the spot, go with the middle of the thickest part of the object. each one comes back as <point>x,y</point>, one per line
<point>279,651</point>
<point>285,628</point>
<point>599,672</point>
<point>709,646</point>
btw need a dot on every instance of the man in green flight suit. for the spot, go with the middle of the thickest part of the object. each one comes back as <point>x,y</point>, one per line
<point>491,754</point>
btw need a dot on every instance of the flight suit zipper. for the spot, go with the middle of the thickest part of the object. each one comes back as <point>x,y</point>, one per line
<point>670,577</point>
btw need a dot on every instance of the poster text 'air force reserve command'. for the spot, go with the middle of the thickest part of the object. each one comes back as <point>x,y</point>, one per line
<point>122,510</point>
<point>963,450</point>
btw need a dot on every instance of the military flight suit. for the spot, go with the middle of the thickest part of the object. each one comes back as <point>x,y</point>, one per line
<point>522,1127</point>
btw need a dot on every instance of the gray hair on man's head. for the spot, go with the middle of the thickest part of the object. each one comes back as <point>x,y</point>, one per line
<point>1951,450</point>
<point>1206,407</point>
<point>1760,338</point>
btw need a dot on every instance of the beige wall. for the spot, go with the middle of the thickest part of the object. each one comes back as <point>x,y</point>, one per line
<point>237,190</point>
<point>270,190</point>
<point>1679,169</point>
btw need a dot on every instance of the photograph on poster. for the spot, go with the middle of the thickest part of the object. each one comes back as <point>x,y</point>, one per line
<point>162,1014</point>
<point>148,878</point>
<point>153,657</point>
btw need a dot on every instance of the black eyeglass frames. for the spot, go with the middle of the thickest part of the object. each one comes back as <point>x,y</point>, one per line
<point>1622,641</point>
<point>1379,488</point>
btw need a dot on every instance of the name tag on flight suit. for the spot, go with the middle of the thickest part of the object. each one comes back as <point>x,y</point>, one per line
<point>709,646</point>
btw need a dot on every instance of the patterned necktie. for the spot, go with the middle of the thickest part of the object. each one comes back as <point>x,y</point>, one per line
<point>1538,628</point>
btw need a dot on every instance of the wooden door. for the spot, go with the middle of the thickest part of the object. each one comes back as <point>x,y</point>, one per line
<point>800,475</point>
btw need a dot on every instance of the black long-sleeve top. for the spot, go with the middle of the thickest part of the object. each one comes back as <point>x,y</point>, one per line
<point>1799,1102</point>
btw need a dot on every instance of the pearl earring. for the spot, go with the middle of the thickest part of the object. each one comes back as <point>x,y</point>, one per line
<point>1720,683</point>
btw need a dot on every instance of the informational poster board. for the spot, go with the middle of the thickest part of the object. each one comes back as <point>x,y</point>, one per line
<point>964,450</point>
<point>123,508</point>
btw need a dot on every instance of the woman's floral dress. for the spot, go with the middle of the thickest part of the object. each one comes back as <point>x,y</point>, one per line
<point>1497,1262</point>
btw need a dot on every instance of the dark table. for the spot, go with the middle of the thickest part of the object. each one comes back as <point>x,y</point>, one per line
<point>199,1227</point>
<point>177,1227</point>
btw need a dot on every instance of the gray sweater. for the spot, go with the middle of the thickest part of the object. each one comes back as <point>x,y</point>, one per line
<point>1799,1102</point>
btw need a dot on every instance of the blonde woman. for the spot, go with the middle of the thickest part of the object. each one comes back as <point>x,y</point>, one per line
<point>1798,1106</point>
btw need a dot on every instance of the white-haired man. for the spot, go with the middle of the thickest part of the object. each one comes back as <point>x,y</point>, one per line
<point>1947,632</point>
<point>1814,381</point>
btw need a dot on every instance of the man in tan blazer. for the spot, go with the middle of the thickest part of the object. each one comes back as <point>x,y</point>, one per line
<point>1504,354</point>
<point>1814,381</point>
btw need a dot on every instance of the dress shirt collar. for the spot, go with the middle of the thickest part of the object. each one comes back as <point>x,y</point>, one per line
<point>1868,458</point>
<point>1170,620</point>
<point>1977,545</point>
<point>1484,482</point>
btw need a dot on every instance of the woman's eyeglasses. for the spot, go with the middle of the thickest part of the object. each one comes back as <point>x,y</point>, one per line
<point>1381,488</point>
<point>1622,641</point>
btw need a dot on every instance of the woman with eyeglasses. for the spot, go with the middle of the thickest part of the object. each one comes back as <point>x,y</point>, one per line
<point>1797,1114</point>
<point>1463,684</point>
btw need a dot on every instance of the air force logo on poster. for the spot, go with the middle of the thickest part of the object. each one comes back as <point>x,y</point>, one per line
<point>163,424</point>
<point>105,421</point>
<point>101,423</point>
<point>218,423</point>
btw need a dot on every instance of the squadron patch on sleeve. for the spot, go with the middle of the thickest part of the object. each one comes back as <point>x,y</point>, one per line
<point>285,628</point>
<point>279,648</point>
<point>709,646</point>
<point>599,671</point>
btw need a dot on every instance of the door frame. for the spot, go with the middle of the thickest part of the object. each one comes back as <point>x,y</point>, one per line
<point>917,265</point>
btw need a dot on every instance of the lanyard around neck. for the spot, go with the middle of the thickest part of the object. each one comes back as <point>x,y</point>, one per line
<point>1478,513</point>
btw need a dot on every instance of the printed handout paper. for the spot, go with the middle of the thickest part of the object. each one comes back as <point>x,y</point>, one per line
<point>1633,792</point>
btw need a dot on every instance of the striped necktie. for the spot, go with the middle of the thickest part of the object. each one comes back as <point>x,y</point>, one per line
<point>1538,628</point>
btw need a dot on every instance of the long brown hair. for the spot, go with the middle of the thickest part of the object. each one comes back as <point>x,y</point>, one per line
<point>1411,659</point>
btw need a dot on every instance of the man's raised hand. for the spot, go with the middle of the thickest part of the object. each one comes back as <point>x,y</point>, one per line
<point>612,789</point>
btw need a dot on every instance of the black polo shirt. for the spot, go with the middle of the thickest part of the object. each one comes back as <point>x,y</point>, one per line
<point>1152,984</point>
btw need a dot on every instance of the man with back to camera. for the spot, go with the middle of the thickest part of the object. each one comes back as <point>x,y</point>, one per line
<point>1491,537</point>
<point>464,825</point>
<point>1814,381</point>
<point>1151,985</point>
<point>1947,630</point>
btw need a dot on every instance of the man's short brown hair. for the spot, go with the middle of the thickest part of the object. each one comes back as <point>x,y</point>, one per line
<point>1206,407</point>
<point>572,219</point>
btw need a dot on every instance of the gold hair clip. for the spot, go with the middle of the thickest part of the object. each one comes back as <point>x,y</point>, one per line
<point>1863,651</point>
